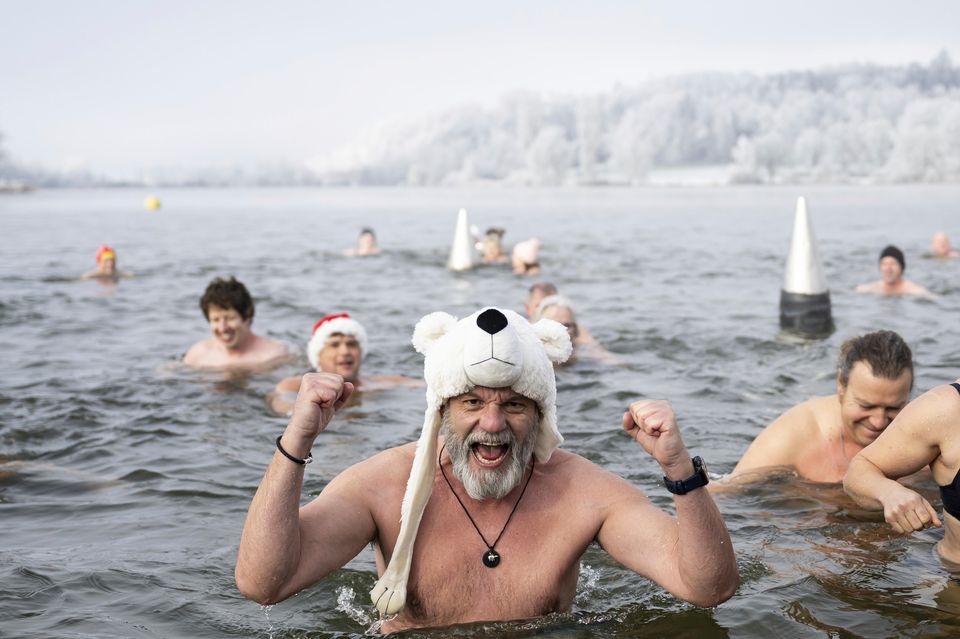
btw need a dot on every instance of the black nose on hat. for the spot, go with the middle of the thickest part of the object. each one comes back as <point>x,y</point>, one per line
<point>492,321</point>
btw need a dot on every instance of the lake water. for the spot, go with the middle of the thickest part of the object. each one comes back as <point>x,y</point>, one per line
<point>124,479</point>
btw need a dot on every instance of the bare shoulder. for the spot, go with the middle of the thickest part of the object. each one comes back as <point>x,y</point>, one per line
<point>870,287</point>
<point>378,476</point>
<point>578,473</point>
<point>381,382</point>
<point>197,354</point>
<point>272,347</point>
<point>785,440</point>
<point>932,414</point>
<point>289,384</point>
<point>912,288</point>
<point>803,420</point>
<point>387,465</point>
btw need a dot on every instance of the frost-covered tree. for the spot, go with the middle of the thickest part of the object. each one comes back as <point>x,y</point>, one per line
<point>549,156</point>
<point>846,123</point>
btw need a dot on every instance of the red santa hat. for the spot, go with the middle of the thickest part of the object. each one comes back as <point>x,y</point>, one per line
<point>340,323</point>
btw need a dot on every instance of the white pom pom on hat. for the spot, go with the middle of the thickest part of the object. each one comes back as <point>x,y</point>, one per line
<point>340,323</point>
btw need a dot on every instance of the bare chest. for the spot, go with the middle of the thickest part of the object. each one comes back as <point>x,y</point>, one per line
<point>823,462</point>
<point>539,555</point>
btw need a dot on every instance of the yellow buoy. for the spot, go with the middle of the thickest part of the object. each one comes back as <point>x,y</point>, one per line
<point>152,203</point>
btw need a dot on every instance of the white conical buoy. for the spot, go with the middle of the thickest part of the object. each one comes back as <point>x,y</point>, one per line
<point>805,298</point>
<point>461,252</point>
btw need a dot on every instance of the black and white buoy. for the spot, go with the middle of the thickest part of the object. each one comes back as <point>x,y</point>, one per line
<point>805,298</point>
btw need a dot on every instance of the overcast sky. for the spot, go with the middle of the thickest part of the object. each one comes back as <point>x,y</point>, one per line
<point>123,85</point>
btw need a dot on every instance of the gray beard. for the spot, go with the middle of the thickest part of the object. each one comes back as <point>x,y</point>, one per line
<point>483,484</point>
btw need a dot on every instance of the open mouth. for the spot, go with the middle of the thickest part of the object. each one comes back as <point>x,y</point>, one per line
<point>490,455</point>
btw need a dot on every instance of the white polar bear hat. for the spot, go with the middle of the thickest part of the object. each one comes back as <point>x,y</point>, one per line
<point>493,348</point>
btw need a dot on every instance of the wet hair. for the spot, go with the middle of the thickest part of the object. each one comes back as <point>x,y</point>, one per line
<point>544,288</point>
<point>884,351</point>
<point>494,230</point>
<point>228,294</point>
<point>368,231</point>
<point>895,253</point>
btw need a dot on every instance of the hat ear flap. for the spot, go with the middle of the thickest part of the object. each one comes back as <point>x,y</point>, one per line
<point>555,339</point>
<point>430,329</point>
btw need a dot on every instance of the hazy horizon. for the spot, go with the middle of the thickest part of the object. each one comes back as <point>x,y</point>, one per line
<point>120,88</point>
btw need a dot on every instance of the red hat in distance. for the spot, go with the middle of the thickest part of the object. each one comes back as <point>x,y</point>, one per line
<point>105,253</point>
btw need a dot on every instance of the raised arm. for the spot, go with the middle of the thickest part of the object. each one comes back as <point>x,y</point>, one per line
<point>691,556</point>
<point>908,444</point>
<point>283,548</point>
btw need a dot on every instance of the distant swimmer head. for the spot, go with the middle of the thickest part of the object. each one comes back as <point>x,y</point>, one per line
<point>227,294</point>
<point>559,309</point>
<point>337,345</point>
<point>106,258</point>
<point>492,245</point>
<point>526,257</point>
<point>367,242</point>
<point>895,253</point>
<point>940,245</point>
<point>535,295</point>
<point>228,308</point>
<point>892,264</point>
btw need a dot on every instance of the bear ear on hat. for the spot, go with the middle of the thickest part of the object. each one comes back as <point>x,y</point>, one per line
<point>430,329</point>
<point>555,339</point>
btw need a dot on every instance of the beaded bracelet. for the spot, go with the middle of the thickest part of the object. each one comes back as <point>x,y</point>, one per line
<point>295,460</point>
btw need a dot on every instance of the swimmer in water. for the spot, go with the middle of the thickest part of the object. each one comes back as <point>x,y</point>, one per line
<point>535,295</point>
<point>228,308</point>
<point>526,257</point>
<point>106,270</point>
<point>491,248</point>
<point>818,438</point>
<point>366,245</point>
<point>559,309</point>
<point>940,247</point>
<point>892,265</point>
<point>488,451</point>
<point>337,345</point>
<point>924,433</point>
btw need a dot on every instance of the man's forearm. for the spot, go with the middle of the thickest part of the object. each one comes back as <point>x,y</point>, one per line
<point>863,482</point>
<point>270,545</point>
<point>708,564</point>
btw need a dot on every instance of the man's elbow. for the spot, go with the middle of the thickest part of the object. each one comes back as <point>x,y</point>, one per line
<point>256,590</point>
<point>721,590</point>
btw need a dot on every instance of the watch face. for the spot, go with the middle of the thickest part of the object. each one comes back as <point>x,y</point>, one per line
<point>700,468</point>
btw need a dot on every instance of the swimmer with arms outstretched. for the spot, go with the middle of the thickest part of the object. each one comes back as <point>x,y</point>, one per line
<point>228,308</point>
<point>488,451</point>
<point>818,438</point>
<point>925,432</point>
<point>337,345</point>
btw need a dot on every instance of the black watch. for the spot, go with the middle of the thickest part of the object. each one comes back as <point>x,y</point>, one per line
<point>697,480</point>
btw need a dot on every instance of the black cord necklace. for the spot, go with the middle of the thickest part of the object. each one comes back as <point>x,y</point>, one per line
<point>491,558</point>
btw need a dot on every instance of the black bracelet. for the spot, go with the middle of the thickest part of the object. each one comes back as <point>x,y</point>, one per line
<point>295,460</point>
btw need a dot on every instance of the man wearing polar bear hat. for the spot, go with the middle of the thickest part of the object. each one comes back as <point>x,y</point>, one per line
<point>484,518</point>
